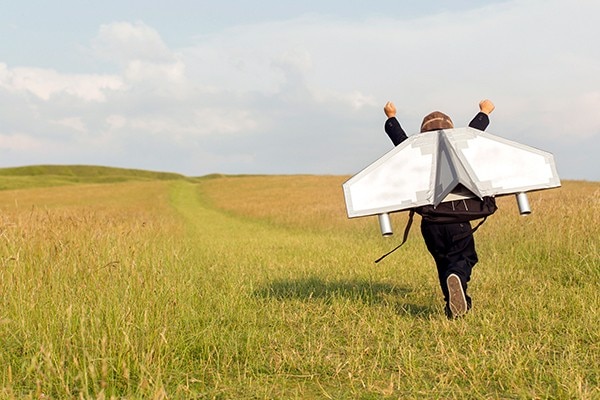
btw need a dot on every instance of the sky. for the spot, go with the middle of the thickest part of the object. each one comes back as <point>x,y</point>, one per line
<point>283,87</point>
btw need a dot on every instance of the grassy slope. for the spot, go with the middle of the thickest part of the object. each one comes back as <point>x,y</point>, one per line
<point>58,175</point>
<point>270,292</point>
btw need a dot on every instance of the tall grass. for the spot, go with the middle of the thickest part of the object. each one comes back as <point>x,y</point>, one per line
<point>259,287</point>
<point>87,289</point>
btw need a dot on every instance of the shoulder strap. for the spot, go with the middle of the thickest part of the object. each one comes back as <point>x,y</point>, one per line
<point>404,237</point>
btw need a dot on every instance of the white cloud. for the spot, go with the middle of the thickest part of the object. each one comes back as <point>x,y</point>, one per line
<point>116,121</point>
<point>19,142</point>
<point>125,41</point>
<point>141,53</point>
<point>72,123</point>
<point>45,83</point>
<point>223,122</point>
<point>138,70</point>
<point>199,123</point>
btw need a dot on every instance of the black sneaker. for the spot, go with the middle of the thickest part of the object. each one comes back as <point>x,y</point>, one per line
<point>457,302</point>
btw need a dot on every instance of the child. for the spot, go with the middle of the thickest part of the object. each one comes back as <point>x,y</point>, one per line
<point>454,258</point>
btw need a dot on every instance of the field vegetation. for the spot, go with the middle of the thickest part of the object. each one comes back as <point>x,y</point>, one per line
<point>250,287</point>
<point>59,175</point>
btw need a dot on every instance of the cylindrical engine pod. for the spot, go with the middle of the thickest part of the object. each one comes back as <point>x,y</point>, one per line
<point>523,203</point>
<point>385,224</point>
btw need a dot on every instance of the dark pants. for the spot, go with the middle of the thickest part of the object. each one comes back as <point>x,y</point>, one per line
<point>451,256</point>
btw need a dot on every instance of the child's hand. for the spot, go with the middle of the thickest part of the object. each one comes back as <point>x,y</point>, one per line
<point>389,109</point>
<point>486,106</point>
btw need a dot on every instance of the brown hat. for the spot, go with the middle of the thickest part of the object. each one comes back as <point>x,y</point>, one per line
<point>435,121</point>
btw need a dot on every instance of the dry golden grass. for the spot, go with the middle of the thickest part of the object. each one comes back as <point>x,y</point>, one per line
<point>566,219</point>
<point>79,268</point>
<point>305,201</point>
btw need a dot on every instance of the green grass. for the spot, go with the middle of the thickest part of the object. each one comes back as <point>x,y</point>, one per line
<point>59,175</point>
<point>259,287</point>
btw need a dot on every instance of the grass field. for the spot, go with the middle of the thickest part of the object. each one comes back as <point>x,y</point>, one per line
<point>252,287</point>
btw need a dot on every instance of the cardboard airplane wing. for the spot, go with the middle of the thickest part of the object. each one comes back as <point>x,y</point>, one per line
<point>444,165</point>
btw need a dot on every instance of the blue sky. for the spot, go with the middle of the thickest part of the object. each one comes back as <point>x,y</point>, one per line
<point>200,87</point>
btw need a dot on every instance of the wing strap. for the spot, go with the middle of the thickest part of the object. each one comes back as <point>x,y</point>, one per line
<point>404,237</point>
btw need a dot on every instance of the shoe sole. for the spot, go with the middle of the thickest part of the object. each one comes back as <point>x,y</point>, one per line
<point>457,301</point>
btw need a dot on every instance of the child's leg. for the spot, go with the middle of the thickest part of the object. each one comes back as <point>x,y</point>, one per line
<point>462,256</point>
<point>451,256</point>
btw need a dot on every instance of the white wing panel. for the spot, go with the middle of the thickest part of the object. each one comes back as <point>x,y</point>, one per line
<point>500,166</point>
<point>400,179</point>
